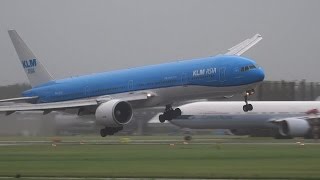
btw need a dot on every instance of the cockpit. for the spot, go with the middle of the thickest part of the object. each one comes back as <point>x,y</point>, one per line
<point>248,67</point>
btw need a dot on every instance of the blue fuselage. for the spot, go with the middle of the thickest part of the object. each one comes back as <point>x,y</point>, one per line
<point>218,71</point>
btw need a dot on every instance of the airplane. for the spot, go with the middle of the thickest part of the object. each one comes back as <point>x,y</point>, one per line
<point>287,118</point>
<point>112,96</point>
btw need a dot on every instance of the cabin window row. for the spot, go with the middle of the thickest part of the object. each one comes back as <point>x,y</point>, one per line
<point>201,77</point>
<point>157,83</point>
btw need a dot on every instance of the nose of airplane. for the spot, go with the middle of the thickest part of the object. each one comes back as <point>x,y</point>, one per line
<point>259,74</point>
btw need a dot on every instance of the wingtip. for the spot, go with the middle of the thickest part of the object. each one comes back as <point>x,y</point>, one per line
<point>258,35</point>
<point>10,31</point>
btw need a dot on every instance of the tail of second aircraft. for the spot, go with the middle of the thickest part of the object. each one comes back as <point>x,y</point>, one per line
<point>36,72</point>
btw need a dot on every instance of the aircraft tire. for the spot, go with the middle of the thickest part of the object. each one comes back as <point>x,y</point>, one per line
<point>177,112</point>
<point>169,115</point>
<point>187,138</point>
<point>161,118</point>
<point>103,133</point>
<point>245,108</point>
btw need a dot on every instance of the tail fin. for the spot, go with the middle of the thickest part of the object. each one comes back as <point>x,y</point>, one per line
<point>36,72</point>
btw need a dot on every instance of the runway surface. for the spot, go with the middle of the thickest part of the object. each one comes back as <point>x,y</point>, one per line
<point>156,142</point>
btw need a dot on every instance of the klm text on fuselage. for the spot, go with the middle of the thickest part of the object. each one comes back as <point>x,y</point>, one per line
<point>202,72</point>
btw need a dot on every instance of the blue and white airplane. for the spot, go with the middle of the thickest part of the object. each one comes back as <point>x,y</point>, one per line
<point>112,96</point>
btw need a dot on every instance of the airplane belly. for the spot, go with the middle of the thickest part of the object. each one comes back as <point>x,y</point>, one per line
<point>171,95</point>
<point>222,121</point>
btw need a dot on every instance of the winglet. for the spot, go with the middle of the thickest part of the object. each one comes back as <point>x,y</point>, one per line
<point>244,45</point>
<point>36,72</point>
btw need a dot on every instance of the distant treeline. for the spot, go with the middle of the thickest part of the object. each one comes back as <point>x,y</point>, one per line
<point>12,91</point>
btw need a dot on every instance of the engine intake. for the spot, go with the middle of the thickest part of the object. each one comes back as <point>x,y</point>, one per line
<point>113,113</point>
<point>293,127</point>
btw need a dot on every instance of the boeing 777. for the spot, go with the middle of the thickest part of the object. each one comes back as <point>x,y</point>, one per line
<point>283,118</point>
<point>112,96</point>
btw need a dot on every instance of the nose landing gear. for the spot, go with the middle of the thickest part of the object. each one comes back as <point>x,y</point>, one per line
<point>248,107</point>
<point>169,114</point>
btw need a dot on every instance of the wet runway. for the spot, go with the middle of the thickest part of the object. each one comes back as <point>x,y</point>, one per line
<point>155,142</point>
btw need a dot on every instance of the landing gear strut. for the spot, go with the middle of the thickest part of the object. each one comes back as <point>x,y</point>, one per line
<point>248,107</point>
<point>110,131</point>
<point>169,114</point>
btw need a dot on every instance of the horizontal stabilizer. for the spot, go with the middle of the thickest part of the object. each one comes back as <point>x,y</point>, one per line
<point>20,100</point>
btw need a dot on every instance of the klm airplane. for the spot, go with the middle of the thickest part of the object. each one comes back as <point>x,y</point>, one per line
<point>112,96</point>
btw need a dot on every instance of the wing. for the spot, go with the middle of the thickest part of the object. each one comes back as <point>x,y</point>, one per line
<point>20,100</point>
<point>244,45</point>
<point>72,104</point>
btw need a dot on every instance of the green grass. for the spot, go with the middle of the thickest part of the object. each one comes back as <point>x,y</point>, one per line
<point>178,161</point>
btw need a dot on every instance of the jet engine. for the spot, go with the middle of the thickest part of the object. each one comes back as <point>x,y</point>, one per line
<point>114,113</point>
<point>293,127</point>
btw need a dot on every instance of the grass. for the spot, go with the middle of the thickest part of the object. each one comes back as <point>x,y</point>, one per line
<point>170,161</point>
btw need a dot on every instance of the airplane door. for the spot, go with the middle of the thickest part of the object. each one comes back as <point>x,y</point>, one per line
<point>87,91</point>
<point>222,74</point>
<point>184,79</point>
<point>130,85</point>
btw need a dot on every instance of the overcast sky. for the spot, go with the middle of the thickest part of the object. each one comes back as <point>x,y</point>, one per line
<point>74,37</point>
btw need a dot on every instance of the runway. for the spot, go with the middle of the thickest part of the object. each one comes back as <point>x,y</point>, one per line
<point>129,141</point>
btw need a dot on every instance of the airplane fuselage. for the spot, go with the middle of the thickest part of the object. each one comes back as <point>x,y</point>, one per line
<point>226,115</point>
<point>198,78</point>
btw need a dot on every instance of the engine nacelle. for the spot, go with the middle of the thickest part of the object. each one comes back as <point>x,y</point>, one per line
<point>293,127</point>
<point>113,113</point>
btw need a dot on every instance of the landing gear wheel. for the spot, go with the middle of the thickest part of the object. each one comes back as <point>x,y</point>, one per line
<point>169,114</point>
<point>245,108</point>
<point>187,138</point>
<point>177,112</point>
<point>161,118</point>
<point>103,133</point>
<point>169,117</point>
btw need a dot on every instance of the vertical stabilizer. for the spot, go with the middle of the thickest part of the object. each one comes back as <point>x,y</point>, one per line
<point>36,72</point>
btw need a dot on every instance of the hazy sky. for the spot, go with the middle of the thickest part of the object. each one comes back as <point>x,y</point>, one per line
<point>74,37</point>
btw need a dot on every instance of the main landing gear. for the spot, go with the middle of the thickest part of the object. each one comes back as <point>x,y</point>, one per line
<point>169,114</point>
<point>109,131</point>
<point>248,107</point>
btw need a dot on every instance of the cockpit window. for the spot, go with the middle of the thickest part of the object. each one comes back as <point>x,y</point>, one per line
<point>247,68</point>
<point>252,66</point>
